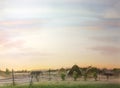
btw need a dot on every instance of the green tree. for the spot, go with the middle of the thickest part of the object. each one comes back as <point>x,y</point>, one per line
<point>7,71</point>
<point>85,76</point>
<point>95,71</point>
<point>86,72</point>
<point>95,75</point>
<point>63,76</point>
<point>75,68</point>
<point>75,75</point>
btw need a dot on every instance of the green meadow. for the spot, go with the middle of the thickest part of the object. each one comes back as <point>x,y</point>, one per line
<point>67,85</point>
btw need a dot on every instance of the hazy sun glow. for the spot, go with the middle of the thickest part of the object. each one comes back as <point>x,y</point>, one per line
<point>43,34</point>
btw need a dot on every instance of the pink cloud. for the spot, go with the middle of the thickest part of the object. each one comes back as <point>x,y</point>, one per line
<point>6,41</point>
<point>17,44</point>
<point>3,37</point>
<point>110,50</point>
<point>21,22</point>
<point>107,39</point>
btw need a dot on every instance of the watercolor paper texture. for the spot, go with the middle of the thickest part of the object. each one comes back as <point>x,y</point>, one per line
<point>43,34</point>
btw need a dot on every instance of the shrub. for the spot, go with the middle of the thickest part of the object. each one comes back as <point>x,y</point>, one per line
<point>7,71</point>
<point>63,76</point>
<point>95,76</point>
<point>85,76</point>
<point>75,75</point>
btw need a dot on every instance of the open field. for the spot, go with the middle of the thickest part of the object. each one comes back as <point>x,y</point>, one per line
<point>53,79</point>
<point>24,79</point>
<point>67,84</point>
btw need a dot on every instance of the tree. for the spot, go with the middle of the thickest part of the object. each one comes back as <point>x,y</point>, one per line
<point>7,71</point>
<point>85,72</point>
<point>116,72</point>
<point>95,76</point>
<point>63,76</point>
<point>36,74</point>
<point>95,71</point>
<point>108,73</point>
<point>75,68</point>
<point>85,76</point>
<point>62,73</point>
<point>75,75</point>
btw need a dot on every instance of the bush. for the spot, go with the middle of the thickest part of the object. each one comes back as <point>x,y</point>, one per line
<point>85,76</point>
<point>75,75</point>
<point>95,76</point>
<point>63,76</point>
<point>7,72</point>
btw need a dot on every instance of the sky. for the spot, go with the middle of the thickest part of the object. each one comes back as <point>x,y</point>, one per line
<point>43,34</point>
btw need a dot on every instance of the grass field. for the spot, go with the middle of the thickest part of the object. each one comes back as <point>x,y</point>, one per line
<point>68,85</point>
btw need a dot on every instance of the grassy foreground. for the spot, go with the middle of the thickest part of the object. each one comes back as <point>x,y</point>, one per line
<point>66,86</point>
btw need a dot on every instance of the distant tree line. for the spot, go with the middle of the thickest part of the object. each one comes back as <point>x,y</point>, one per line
<point>77,72</point>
